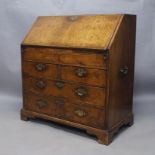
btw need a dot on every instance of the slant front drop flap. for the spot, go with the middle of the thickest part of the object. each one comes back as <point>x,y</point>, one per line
<point>79,71</point>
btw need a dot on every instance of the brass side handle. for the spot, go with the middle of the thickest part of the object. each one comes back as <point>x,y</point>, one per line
<point>40,67</point>
<point>81,91</point>
<point>41,103</point>
<point>59,84</point>
<point>40,84</point>
<point>124,70</point>
<point>80,113</point>
<point>81,72</point>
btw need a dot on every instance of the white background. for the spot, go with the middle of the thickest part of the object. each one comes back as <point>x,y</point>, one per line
<point>39,138</point>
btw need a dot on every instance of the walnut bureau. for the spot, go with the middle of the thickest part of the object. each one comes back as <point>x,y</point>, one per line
<point>79,71</point>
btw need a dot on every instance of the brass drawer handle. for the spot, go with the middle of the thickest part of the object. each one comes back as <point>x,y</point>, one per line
<point>80,113</point>
<point>81,91</point>
<point>41,103</point>
<point>81,72</point>
<point>59,84</point>
<point>59,101</point>
<point>40,67</point>
<point>40,84</point>
<point>124,70</point>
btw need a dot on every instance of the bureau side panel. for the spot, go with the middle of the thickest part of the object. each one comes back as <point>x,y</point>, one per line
<point>120,84</point>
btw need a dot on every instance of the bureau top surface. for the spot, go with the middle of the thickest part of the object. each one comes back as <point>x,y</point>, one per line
<point>90,31</point>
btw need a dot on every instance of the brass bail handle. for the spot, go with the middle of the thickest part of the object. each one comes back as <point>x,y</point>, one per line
<point>124,70</point>
<point>81,92</point>
<point>40,67</point>
<point>40,84</point>
<point>80,113</point>
<point>81,72</point>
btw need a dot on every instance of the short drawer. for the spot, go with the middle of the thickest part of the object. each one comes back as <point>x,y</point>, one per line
<point>64,56</point>
<point>90,76</point>
<point>86,115</point>
<point>72,92</point>
<point>45,105</point>
<point>40,69</point>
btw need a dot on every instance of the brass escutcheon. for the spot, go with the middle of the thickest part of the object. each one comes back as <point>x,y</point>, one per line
<point>73,18</point>
<point>59,84</point>
<point>41,103</point>
<point>59,101</point>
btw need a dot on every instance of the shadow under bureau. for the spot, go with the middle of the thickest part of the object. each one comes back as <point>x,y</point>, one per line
<point>79,70</point>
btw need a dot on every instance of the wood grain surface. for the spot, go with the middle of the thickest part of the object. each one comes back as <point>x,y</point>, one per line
<point>95,96</point>
<point>75,31</point>
<point>73,57</point>
<point>79,71</point>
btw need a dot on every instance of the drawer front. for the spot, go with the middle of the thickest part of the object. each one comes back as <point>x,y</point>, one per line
<point>86,115</point>
<point>49,106</point>
<point>39,69</point>
<point>64,56</point>
<point>94,77</point>
<point>58,107</point>
<point>72,92</point>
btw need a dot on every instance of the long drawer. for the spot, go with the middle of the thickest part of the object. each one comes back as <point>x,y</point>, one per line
<point>59,108</point>
<point>65,56</point>
<point>72,92</point>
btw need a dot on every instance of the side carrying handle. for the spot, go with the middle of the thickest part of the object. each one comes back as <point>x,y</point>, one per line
<point>124,70</point>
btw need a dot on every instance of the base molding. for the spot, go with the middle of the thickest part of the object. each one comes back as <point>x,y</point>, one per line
<point>104,136</point>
